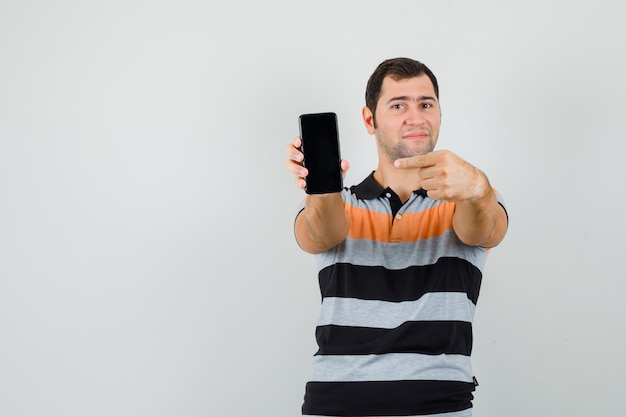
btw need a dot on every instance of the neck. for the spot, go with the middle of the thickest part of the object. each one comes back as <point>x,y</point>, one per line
<point>402,181</point>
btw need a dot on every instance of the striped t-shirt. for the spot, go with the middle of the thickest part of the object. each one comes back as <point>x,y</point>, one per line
<point>398,299</point>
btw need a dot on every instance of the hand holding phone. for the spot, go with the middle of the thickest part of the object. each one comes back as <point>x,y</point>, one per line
<point>320,146</point>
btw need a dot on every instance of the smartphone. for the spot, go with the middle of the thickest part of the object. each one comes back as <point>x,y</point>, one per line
<point>320,145</point>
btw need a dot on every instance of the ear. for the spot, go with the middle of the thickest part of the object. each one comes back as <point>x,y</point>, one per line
<point>368,119</point>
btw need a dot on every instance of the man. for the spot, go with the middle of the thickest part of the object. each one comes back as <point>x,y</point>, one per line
<point>400,260</point>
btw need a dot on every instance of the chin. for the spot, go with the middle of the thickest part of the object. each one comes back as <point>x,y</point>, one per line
<point>421,151</point>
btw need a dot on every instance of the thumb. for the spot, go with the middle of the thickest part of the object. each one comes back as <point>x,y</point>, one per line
<point>345,166</point>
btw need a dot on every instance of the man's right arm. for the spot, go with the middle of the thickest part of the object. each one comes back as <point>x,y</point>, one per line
<point>322,224</point>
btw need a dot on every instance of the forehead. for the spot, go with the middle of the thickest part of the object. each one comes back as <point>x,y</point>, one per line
<point>419,86</point>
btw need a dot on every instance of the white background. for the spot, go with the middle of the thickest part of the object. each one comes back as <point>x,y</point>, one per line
<point>147,261</point>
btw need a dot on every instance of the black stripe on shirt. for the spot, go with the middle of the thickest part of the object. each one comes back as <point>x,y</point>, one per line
<point>386,398</point>
<point>424,337</point>
<point>378,283</point>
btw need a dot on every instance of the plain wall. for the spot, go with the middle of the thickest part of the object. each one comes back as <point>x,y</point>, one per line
<point>147,259</point>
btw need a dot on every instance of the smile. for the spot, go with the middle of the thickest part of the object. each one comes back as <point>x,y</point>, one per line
<point>416,135</point>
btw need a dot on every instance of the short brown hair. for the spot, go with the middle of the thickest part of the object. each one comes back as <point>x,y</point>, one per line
<point>398,69</point>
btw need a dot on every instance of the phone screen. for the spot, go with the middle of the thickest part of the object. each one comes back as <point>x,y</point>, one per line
<point>320,146</point>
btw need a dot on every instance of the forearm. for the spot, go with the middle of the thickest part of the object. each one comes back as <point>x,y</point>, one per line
<point>323,223</point>
<point>480,221</point>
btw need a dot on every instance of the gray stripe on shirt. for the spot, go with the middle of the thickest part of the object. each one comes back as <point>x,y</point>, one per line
<point>448,306</point>
<point>391,367</point>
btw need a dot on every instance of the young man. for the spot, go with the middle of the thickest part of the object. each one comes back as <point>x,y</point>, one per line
<point>400,260</point>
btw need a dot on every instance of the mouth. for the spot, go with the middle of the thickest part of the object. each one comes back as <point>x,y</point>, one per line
<point>416,135</point>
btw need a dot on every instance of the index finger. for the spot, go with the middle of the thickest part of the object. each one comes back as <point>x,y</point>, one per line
<point>417,161</point>
<point>410,162</point>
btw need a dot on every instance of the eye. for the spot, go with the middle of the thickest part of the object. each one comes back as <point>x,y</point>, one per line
<point>397,106</point>
<point>427,105</point>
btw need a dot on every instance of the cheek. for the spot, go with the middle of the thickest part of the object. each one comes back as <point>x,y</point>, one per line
<point>392,123</point>
<point>435,121</point>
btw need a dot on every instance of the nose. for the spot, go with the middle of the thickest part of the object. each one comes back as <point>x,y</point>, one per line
<point>414,117</point>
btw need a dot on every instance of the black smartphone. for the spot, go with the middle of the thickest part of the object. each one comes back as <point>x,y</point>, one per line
<point>320,145</point>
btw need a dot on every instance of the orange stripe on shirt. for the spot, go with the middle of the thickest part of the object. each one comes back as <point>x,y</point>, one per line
<point>410,227</point>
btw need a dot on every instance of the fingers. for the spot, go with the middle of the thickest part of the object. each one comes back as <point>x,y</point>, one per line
<point>296,168</point>
<point>406,163</point>
<point>445,176</point>
<point>293,164</point>
<point>419,161</point>
<point>293,150</point>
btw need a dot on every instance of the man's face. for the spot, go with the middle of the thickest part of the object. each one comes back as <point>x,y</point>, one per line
<point>407,117</point>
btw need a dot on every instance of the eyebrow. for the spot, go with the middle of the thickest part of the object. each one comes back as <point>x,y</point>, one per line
<point>410,98</point>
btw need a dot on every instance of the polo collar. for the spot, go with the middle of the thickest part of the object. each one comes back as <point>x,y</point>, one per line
<point>369,189</point>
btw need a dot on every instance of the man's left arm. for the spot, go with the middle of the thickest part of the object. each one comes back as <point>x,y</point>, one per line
<point>479,219</point>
